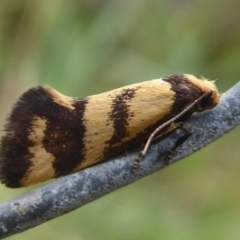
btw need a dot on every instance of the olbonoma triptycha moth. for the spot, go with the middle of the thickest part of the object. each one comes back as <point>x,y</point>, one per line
<point>48,135</point>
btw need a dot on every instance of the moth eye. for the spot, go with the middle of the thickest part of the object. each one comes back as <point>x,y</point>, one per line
<point>206,103</point>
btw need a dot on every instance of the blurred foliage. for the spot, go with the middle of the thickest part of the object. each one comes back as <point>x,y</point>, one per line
<point>88,46</point>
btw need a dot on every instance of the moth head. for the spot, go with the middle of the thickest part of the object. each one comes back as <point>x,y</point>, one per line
<point>206,86</point>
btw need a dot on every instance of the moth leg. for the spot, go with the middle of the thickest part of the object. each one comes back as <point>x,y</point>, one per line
<point>167,133</point>
<point>160,137</point>
<point>179,142</point>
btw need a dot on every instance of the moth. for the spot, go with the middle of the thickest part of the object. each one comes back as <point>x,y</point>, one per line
<point>48,135</point>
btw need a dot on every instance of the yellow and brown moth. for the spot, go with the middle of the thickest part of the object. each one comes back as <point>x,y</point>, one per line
<point>48,135</point>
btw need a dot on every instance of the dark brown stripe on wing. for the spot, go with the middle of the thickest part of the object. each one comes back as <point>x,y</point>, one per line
<point>64,136</point>
<point>185,93</point>
<point>15,158</point>
<point>120,114</point>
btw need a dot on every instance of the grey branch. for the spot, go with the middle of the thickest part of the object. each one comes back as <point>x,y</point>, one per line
<point>73,191</point>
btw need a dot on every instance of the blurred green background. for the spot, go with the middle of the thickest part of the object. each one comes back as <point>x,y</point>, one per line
<point>89,46</point>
